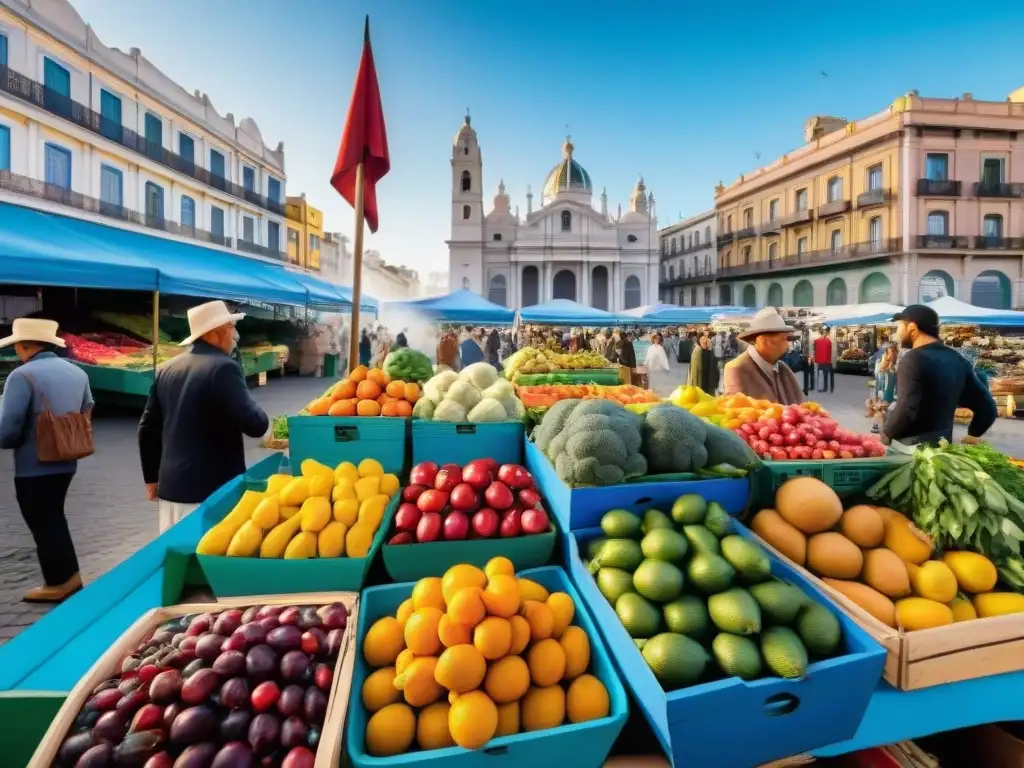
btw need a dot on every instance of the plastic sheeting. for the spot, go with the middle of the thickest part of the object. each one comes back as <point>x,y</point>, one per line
<point>570,313</point>
<point>462,306</point>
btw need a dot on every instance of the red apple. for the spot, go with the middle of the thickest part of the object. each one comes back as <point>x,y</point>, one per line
<point>477,474</point>
<point>423,473</point>
<point>429,527</point>
<point>515,476</point>
<point>455,468</point>
<point>447,479</point>
<point>528,497</point>
<point>403,537</point>
<point>492,465</point>
<point>456,526</point>
<point>498,496</point>
<point>464,499</point>
<point>432,501</point>
<point>485,523</point>
<point>407,517</point>
<point>534,521</point>
<point>511,524</point>
<point>412,492</point>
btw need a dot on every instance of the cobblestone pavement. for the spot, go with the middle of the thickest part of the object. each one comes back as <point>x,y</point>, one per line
<point>107,511</point>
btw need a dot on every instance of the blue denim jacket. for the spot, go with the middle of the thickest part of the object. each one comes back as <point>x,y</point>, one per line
<point>66,387</point>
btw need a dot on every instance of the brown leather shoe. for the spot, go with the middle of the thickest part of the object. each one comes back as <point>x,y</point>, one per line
<point>55,594</point>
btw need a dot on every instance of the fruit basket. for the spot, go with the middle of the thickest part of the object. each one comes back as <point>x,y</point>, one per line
<point>334,439</point>
<point>578,508</point>
<point>468,514</point>
<point>446,442</point>
<point>846,476</point>
<point>326,716</point>
<point>583,744</point>
<point>780,717</point>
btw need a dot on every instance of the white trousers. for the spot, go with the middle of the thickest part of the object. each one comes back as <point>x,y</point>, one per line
<point>171,513</point>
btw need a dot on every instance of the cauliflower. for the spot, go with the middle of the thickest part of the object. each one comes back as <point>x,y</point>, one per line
<point>488,411</point>
<point>449,410</point>
<point>499,390</point>
<point>519,410</point>
<point>464,393</point>
<point>436,388</point>
<point>673,439</point>
<point>424,409</point>
<point>480,375</point>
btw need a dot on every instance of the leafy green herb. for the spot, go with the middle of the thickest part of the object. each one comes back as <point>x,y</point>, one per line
<point>279,427</point>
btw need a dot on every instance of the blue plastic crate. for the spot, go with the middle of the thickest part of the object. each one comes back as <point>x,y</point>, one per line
<point>334,439</point>
<point>443,442</point>
<point>583,744</point>
<point>735,724</point>
<point>579,508</point>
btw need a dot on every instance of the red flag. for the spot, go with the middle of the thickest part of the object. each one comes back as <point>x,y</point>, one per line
<point>364,139</point>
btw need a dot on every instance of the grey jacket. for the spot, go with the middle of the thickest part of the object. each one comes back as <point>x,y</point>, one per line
<point>66,387</point>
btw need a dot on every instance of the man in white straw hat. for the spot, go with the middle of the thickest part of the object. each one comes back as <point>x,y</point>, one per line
<point>759,372</point>
<point>43,382</point>
<point>199,407</point>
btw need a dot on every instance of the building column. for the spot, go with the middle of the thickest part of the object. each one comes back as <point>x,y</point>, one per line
<point>615,289</point>
<point>962,285</point>
<point>546,289</point>
<point>513,285</point>
<point>35,167</point>
<point>584,294</point>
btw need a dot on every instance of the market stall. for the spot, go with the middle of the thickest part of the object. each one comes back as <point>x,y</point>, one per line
<point>462,306</point>
<point>566,313</point>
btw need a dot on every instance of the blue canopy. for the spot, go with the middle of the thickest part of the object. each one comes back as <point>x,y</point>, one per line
<point>328,297</point>
<point>462,306</point>
<point>566,312</point>
<point>671,314</point>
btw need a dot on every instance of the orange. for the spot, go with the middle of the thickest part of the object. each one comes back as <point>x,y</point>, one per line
<point>432,727</point>
<point>461,669</point>
<point>472,720</point>
<point>467,607</point>
<point>385,399</point>
<point>319,407</point>
<point>396,389</point>
<point>507,680</point>
<point>404,612</point>
<point>452,633</point>
<point>367,408</point>
<point>531,590</point>
<point>417,682</point>
<point>563,610</point>
<point>547,662</point>
<point>427,593</point>
<point>459,576</point>
<point>368,390</point>
<point>354,401</point>
<point>540,617</point>
<point>378,376</point>
<point>412,391</point>
<point>493,637</point>
<point>389,409</point>
<point>520,634</point>
<point>587,699</point>
<point>358,373</point>
<point>508,719</point>
<point>404,408</point>
<point>341,408</point>
<point>405,658</point>
<point>344,389</point>
<point>383,642</point>
<point>421,632</point>
<point>379,689</point>
<point>576,647</point>
<point>498,565</point>
<point>502,596</point>
<point>542,708</point>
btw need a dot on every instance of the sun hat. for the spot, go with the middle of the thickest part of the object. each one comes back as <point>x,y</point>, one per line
<point>33,329</point>
<point>206,317</point>
<point>767,320</point>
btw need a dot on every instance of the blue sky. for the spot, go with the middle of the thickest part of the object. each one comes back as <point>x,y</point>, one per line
<point>684,93</point>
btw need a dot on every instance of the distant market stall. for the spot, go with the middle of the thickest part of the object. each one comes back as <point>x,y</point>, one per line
<point>564,312</point>
<point>671,314</point>
<point>462,306</point>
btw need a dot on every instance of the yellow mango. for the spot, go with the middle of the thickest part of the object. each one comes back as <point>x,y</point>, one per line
<point>288,512</point>
<point>962,609</point>
<point>302,547</point>
<point>296,492</point>
<point>331,541</point>
<point>346,511</point>
<point>346,471</point>
<point>343,490</point>
<point>276,541</point>
<point>367,487</point>
<point>371,511</point>
<point>315,514</point>
<point>389,485</point>
<point>267,514</point>
<point>905,539</point>
<point>933,580</point>
<point>246,543</point>
<point>914,613</point>
<point>998,604</point>
<point>321,485</point>
<point>370,468</point>
<point>276,483</point>
<point>312,468</point>
<point>974,573</point>
<point>216,540</point>
<point>358,540</point>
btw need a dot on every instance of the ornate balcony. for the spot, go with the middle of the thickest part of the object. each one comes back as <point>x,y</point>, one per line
<point>984,243</point>
<point>798,217</point>
<point>809,259</point>
<point>873,197</point>
<point>746,233</point>
<point>984,189</point>
<point>725,239</point>
<point>938,188</point>
<point>772,227</point>
<point>834,208</point>
<point>943,242</point>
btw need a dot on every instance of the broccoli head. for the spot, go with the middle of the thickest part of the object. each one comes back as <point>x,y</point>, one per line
<point>673,440</point>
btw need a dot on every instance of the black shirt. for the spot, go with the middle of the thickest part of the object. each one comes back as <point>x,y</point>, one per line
<point>932,382</point>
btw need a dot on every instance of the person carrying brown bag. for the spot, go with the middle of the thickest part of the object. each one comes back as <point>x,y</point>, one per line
<point>45,418</point>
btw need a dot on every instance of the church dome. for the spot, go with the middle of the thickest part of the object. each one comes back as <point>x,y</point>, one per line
<point>567,176</point>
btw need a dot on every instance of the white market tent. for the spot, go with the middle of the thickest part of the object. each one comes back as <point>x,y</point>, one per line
<point>855,314</point>
<point>952,310</point>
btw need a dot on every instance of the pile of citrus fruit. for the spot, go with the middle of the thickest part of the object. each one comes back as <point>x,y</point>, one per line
<point>367,392</point>
<point>475,655</point>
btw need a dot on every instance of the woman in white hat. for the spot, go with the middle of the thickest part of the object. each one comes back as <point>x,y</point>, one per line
<point>199,407</point>
<point>759,372</point>
<point>43,382</point>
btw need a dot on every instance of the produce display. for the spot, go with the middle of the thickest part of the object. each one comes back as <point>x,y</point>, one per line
<point>478,501</point>
<point>799,433</point>
<point>475,655</point>
<point>731,411</point>
<point>1003,356</point>
<point>407,364</point>
<point>854,355</point>
<point>700,601</point>
<point>880,560</point>
<point>294,518</point>
<point>238,687</point>
<point>137,325</point>
<point>546,395</point>
<point>529,360</point>
<point>599,442</point>
<point>366,392</point>
<point>475,394</point>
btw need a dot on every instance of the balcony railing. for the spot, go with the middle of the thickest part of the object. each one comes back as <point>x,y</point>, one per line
<point>985,189</point>
<point>797,217</point>
<point>35,93</point>
<point>725,239</point>
<point>942,242</point>
<point>855,251</point>
<point>833,209</point>
<point>985,243</point>
<point>873,197</point>
<point>746,232</point>
<point>22,185</point>
<point>772,227</point>
<point>938,188</point>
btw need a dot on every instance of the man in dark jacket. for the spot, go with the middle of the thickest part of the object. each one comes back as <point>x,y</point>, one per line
<point>190,435</point>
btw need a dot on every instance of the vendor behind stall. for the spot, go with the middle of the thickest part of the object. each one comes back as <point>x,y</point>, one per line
<point>759,372</point>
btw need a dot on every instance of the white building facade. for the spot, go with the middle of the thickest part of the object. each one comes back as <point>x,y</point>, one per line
<point>96,133</point>
<point>564,249</point>
<point>689,261</point>
<point>382,281</point>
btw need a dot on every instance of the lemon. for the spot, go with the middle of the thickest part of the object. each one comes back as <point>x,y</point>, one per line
<point>499,566</point>
<point>531,590</point>
<point>507,680</point>
<point>432,727</point>
<point>389,485</point>
<point>587,699</point>
<point>472,720</point>
<point>542,708</point>
<point>369,468</point>
<point>383,642</point>
<point>461,668</point>
<point>404,612</point>
<point>379,689</point>
<point>390,731</point>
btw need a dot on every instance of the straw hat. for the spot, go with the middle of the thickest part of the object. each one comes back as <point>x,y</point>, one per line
<point>206,317</point>
<point>32,329</point>
<point>767,320</point>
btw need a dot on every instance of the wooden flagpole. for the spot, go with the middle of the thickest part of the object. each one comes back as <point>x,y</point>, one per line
<point>357,268</point>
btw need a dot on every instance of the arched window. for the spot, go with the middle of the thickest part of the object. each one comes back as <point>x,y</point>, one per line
<point>466,211</point>
<point>773,252</point>
<point>690,240</point>
<point>835,189</point>
<point>696,239</point>
<point>696,267</point>
<point>497,290</point>
<point>465,149</point>
<point>564,285</point>
<point>748,218</point>
<point>836,240</point>
<point>875,233</point>
<point>599,288</point>
<point>991,289</point>
<point>746,254</point>
<point>935,284</point>
<point>749,296</point>
<point>467,182</point>
<point>566,221</point>
<point>707,265</point>
<point>992,226</point>
<point>835,294</point>
<point>531,286</point>
<point>938,223</point>
<point>496,237</point>
<point>671,272</point>
<point>707,234</point>
<point>775,295</point>
<point>803,294</point>
<point>875,288</point>
<point>673,245</point>
<point>632,296</point>
<point>465,283</point>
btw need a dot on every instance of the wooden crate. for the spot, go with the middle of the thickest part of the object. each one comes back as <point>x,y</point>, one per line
<point>928,657</point>
<point>328,754</point>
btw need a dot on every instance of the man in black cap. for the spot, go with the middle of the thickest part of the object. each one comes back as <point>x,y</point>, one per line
<point>932,381</point>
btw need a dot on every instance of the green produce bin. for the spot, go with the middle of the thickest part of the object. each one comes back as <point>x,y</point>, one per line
<point>331,366</point>
<point>847,477</point>
<point>410,562</point>
<point>334,439</point>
